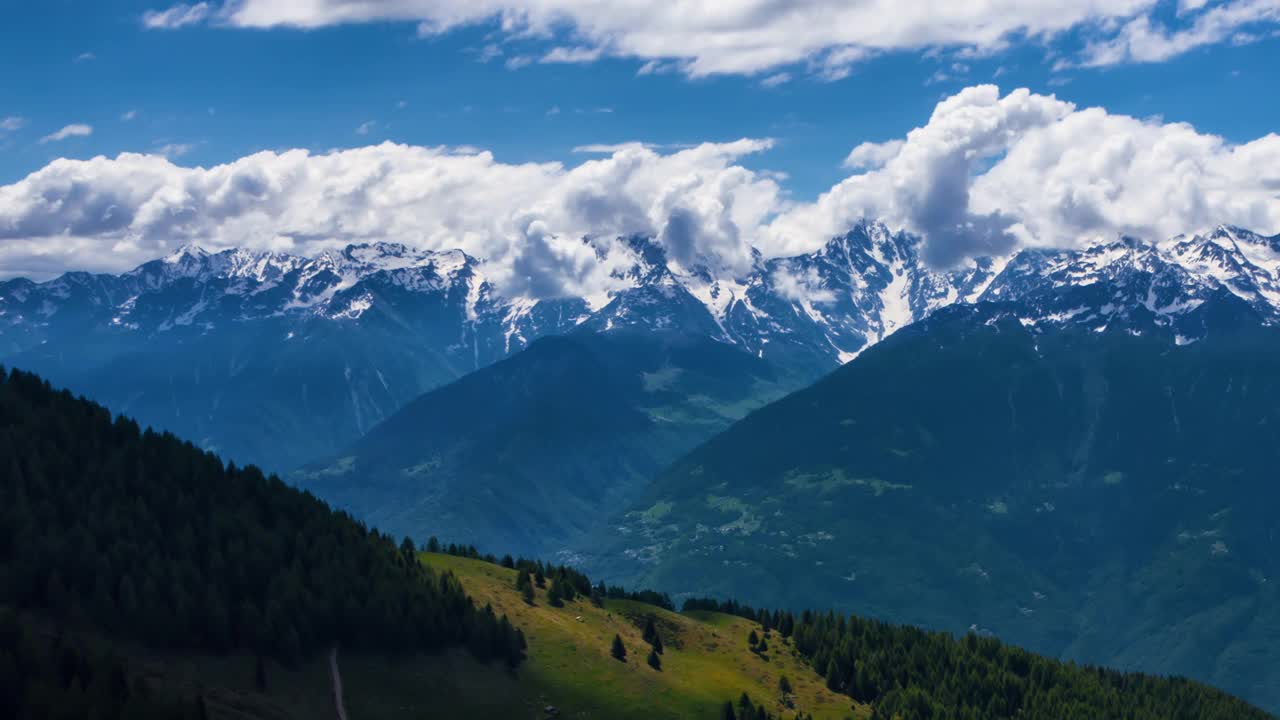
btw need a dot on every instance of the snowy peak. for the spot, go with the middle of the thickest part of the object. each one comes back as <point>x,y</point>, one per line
<point>1171,286</point>
<point>813,311</point>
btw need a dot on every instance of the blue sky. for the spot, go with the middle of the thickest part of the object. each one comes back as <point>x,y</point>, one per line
<point>1147,117</point>
<point>221,93</point>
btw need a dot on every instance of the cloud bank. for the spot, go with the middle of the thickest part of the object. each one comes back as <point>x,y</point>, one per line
<point>986,173</point>
<point>989,173</point>
<point>755,36</point>
<point>113,213</point>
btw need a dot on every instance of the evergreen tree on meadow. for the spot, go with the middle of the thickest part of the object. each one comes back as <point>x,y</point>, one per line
<point>654,661</point>
<point>618,650</point>
<point>524,586</point>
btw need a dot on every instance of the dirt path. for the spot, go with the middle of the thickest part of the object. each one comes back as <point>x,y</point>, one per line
<point>337,684</point>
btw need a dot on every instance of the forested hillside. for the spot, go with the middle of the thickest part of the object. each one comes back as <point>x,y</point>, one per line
<point>905,673</point>
<point>144,538</point>
<point>1099,496</point>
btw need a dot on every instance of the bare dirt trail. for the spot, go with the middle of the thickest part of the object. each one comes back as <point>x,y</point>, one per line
<point>337,684</point>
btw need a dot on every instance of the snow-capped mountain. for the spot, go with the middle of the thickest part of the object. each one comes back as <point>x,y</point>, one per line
<point>443,293</point>
<point>349,336</point>
<point>1183,286</point>
<point>828,305</point>
<point>809,312</point>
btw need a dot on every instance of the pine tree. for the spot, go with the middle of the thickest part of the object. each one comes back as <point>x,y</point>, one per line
<point>554,595</point>
<point>522,580</point>
<point>526,593</point>
<point>567,591</point>
<point>726,711</point>
<point>618,651</point>
<point>784,686</point>
<point>407,549</point>
<point>753,640</point>
<point>650,632</point>
<point>539,578</point>
<point>657,643</point>
<point>654,661</point>
<point>833,676</point>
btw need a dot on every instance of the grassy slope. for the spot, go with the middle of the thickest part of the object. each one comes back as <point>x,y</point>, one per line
<point>706,662</point>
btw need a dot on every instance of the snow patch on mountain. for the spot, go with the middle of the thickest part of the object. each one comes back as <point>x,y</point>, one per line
<point>817,310</point>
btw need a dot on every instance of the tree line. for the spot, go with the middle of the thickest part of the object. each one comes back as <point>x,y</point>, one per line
<point>571,582</point>
<point>905,673</point>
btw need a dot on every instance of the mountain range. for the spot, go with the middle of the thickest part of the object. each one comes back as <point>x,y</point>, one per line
<point>1098,494</point>
<point>277,359</point>
<point>1066,448</point>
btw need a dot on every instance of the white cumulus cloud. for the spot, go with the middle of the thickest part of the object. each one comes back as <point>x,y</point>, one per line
<point>986,172</point>
<point>828,37</point>
<point>1144,40</point>
<point>528,219</point>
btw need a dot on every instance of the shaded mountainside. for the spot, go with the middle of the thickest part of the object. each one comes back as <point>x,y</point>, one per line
<point>529,453</point>
<point>139,538</point>
<point>266,358</point>
<point>1105,496</point>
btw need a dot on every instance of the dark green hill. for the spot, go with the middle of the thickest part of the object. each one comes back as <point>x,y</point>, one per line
<point>1091,495</point>
<point>532,451</point>
<point>110,532</point>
